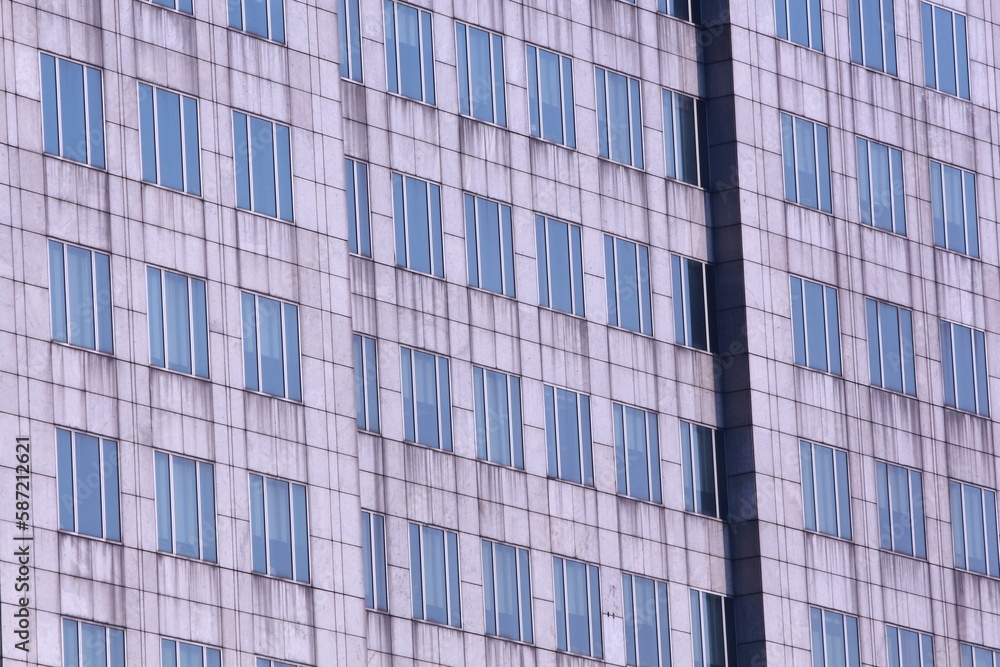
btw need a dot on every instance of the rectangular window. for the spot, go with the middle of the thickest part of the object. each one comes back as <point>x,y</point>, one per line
<point>271,347</point>
<point>800,21</point>
<point>963,356</point>
<point>560,265</point>
<point>946,50</point>
<point>626,266</point>
<point>417,219</point>
<point>434,575</point>
<point>834,639</point>
<point>366,383</point>
<point>264,18</point>
<point>647,625</point>
<point>974,528</point>
<point>907,648</point>
<point>498,417</point>
<point>349,26</point>
<point>873,34</point>
<point>72,111</point>
<point>826,498</point>
<point>683,136</point>
<point>709,630</point>
<point>409,51</point>
<point>373,553</point>
<point>178,322</point>
<point>890,347</point>
<point>359,234</point>
<point>694,303</point>
<point>480,74</point>
<point>815,326</point>
<point>489,244</point>
<point>550,97</point>
<point>507,590</point>
<point>806,154</point>
<point>953,200</point>
<point>567,434</point>
<point>976,656</point>
<point>426,399</point>
<point>179,5</point>
<point>279,528</point>
<point>703,464</point>
<point>263,159</point>
<point>578,607</point>
<point>88,485</point>
<point>168,138</point>
<point>91,645</point>
<point>880,185</point>
<point>685,10</point>
<point>180,654</point>
<point>619,118</point>
<point>80,292</point>
<point>185,507</point>
<point>900,509</point>
<point>637,453</point>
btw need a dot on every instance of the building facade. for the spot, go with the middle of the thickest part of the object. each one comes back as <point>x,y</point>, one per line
<point>524,332</point>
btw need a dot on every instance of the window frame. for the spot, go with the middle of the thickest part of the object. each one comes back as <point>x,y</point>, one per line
<point>585,445</point>
<point>484,417</point>
<point>979,368</point>
<point>888,515</point>
<point>359,232</point>
<point>925,644</point>
<point>615,289</point>
<point>653,464</point>
<point>858,42</point>
<point>87,110</point>
<point>442,396</point>
<point>674,166</point>
<point>522,591</point>
<point>595,631</point>
<point>346,11</point>
<point>369,362</point>
<point>104,343</point>
<point>661,618</point>
<point>186,187</point>
<point>841,490</point>
<point>959,54</point>
<point>402,224</point>
<point>373,553</point>
<point>452,580</point>
<point>543,246</point>
<point>831,329</point>
<point>285,353</point>
<point>276,165</point>
<point>112,636</point>
<point>693,10</point>
<point>970,653</point>
<point>193,325</point>
<point>700,630</point>
<point>498,101</point>
<point>474,245</point>
<point>814,24</point>
<point>177,8</point>
<point>603,106</point>
<point>848,623</point>
<point>204,553</point>
<point>269,11</point>
<point>567,116</point>
<point>428,79</point>
<point>971,241</point>
<point>293,541</point>
<point>683,306</point>
<point>110,514</point>
<point>822,165</point>
<point>907,379</point>
<point>210,655</point>
<point>960,521</point>
<point>865,148</point>
<point>692,489</point>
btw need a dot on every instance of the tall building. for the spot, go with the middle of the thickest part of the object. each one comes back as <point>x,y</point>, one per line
<point>521,332</point>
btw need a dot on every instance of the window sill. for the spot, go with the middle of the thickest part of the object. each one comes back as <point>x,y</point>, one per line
<point>966,413</point>
<point>360,255</point>
<point>919,559</point>
<point>608,160</point>
<point>806,207</point>
<point>680,181</point>
<point>491,123</point>
<point>94,538</point>
<point>421,273</point>
<point>401,96</point>
<point>72,346</point>
<point>183,374</point>
<point>549,142</point>
<point>875,70</point>
<point>489,292</point>
<point>894,392</point>
<point>435,624</point>
<point>241,31</point>
<point>868,225</point>
<point>274,577</point>
<point>708,517</point>
<point>167,9</point>
<point>435,448</point>
<point>787,40</point>
<point>374,434</point>
<point>818,533</point>
<point>582,317</point>
<point>500,465</point>
<point>582,485</point>
<point>167,188</point>
<point>654,503</point>
<point>349,79</point>
<point>633,331</point>
<point>957,253</point>
<point>264,394</point>
<point>191,559</point>
<point>954,96</point>
<point>60,158</point>
<point>259,214</point>
<point>838,376</point>
<point>684,346</point>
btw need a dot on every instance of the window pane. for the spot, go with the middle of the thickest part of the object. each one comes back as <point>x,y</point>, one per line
<point>435,584</point>
<point>168,125</point>
<point>178,324</point>
<point>262,166</point>
<point>271,347</point>
<point>71,97</point>
<point>577,608</point>
<point>80,297</point>
<point>279,533</point>
<point>90,519</point>
<point>185,507</point>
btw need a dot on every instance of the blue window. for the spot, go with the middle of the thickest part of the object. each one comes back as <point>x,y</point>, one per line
<point>685,10</point>
<point>366,383</point>
<point>168,132</point>
<point>953,200</point>
<point>349,25</point>
<point>91,645</point>
<point>178,322</point>
<point>826,497</point>
<point>647,624</point>
<point>181,654</point>
<point>815,326</point>
<point>626,277</point>
<point>80,294</point>
<point>72,111</point>
<point>900,510</point>
<point>703,467</point>
<point>271,347</point>
<point>976,656</point>
<point>637,453</point>
<point>806,155</point>
<point>480,74</point>
<point>873,34</point>
<point>498,417</point>
<point>567,434</point>
<point>890,347</point>
<point>709,630</point>
<point>87,478</point>
<point>426,399</point>
<point>185,507</point>
<point>963,356</point>
<point>434,575</point>
<point>409,51</point>
<point>373,553</point>
<point>359,234</point>
<point>683,136</point>
<point>550,96</point>
<point>263,159</point>
<point>417,219</point>
<point>560,265</point>
<point>946,50</point>
<point>578,607</point>
<point>619,118</point>
<point>907,648</point>
<point>800,21</point>
<point>507,591</point>
<point>974,528</point>
<point>834,639</point>
<point>264,18</point>
<point>279,528</point>
<point>694,303</point>
<point>880,186</point>
<point>489,245</point>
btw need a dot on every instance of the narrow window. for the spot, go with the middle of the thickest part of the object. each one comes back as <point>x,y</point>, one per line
<point>349,26</point>
<point>710,620</point>
<point>694,303</point>
<point>953,201</point>
<point>963,356</point>
<point>366,383</point>
<point>880,186</point>
<point>703,466</point>
<point>683,137</point>
<point>974,528</point>
<point>647,625</point>
<point>890,347</point>
<point>373,553</point>
<point>900,509</point>
<point>946,50</point>
<point>359,235</point>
